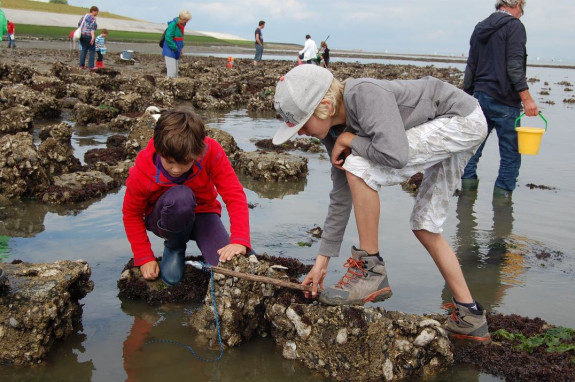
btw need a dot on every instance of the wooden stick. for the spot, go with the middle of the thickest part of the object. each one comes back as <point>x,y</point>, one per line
<point>263,279</point>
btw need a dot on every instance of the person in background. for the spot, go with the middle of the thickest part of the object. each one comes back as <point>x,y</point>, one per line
<point>88,37</point>
<point>101,48</point>
<point>380,133</point>
<point>173,189</point>
<point>259,43</point>
<point>11,28</point>
<point>3,23</point>
<point>174,42</point>
<point>309,51</point>
<point>324,55</point>
<point>496,75</point>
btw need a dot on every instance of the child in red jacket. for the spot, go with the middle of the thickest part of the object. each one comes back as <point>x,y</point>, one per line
<point>172,191</point>
<point>11,34</point>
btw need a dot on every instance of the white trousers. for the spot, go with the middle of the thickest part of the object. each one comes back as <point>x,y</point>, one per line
<point>440,149</point>
<point>171,67</point>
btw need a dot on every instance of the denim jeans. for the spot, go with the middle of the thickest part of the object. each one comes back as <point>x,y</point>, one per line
<point>259,52</point>
<point>502,118</point>
<point>87,48</point>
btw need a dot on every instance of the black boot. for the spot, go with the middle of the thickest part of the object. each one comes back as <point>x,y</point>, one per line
<point>173,259</point>
<point>3,279</point>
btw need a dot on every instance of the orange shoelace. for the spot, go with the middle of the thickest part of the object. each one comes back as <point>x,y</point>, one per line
<point>453,309</point>
<point>355,270</point>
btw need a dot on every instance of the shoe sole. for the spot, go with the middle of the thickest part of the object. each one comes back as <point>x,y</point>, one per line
<point>474,339</point>
<point>377,296</point>
<point>380,295</point>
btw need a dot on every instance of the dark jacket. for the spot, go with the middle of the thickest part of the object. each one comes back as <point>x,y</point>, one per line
<point>498,59</point>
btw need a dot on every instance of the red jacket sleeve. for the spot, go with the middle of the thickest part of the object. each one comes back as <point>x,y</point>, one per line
<point>134,212</point>
<point>232,192</point>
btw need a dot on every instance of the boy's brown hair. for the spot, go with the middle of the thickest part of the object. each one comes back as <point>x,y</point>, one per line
<point>179,134</point>
<point>104,31</point>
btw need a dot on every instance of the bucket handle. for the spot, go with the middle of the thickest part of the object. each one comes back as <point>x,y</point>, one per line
<point>522,114</point>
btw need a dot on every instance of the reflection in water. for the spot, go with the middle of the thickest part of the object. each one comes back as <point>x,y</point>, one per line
<point>487,265</point>
<point>273,190</point>
<point>73,369</point>
<point>22,219</point>
<point>26,218</point>
<point>257,360</point>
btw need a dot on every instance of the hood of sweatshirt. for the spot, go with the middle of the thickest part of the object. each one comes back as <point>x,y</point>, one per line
<point>486,28</point>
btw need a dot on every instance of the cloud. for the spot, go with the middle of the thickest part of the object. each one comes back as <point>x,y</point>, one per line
<point>415,26</point>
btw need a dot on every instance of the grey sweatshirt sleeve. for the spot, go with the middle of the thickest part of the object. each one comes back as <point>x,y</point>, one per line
<point>373,114</point>
<point>338,212</point>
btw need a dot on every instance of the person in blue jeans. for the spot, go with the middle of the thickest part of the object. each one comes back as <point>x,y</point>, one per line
<point>88,38</point>
<point>259,42</point>
<point>496,75</point>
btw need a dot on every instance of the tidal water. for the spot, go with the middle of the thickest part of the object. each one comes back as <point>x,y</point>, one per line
<point>109,346</point>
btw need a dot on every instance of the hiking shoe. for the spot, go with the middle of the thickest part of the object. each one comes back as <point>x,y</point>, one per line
<point>467,323</point>
<point>364,281</point>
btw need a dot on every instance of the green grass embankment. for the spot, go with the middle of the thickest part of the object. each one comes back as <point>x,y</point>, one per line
<point>46,32</point>
<point>28,5</point>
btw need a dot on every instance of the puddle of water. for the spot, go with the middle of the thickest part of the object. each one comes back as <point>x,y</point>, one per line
<point>111,344</point>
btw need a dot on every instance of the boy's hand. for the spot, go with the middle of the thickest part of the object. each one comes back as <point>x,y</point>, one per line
<point>316,275</point>
<point>150,270</point>
<point>231,250</point>
<point>341,149</point>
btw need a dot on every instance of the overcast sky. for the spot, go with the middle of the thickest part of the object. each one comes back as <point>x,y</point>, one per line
<point>395,26</point>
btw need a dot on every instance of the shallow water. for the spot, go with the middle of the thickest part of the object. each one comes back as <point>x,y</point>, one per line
<point>503,282</point>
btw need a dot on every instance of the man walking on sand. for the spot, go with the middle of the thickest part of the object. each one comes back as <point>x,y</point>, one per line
<point>259,43</point>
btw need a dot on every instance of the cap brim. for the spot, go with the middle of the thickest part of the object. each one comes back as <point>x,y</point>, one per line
<point>285,133</point>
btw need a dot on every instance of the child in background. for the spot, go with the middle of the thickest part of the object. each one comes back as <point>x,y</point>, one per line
<point>324,55</point>
<point>380,133</point>
<point>172,190</point>
<point>11,34</point>
<point>101,48</point>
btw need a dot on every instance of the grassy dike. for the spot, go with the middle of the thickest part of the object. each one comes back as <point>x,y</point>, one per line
<point>48,32</point>
<point>53,32</point>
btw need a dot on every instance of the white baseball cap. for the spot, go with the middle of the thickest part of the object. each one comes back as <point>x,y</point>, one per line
<point>298,94</point>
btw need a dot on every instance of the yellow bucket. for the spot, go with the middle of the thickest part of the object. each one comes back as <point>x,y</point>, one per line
<point>529,138</point>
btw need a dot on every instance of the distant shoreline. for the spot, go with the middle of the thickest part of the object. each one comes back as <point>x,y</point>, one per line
<point>273,49</point>
<point>39,17</point>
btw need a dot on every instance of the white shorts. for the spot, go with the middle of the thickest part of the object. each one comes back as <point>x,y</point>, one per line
<point>440,149</point>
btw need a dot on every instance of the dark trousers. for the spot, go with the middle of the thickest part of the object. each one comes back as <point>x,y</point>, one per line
<point>87,48</point>
<point>176,208</point>
<point>501,118</point>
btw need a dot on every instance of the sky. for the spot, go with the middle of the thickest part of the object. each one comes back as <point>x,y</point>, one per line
<point>394,26</point>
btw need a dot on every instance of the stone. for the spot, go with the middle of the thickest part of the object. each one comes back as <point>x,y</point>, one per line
<point>39,306</point>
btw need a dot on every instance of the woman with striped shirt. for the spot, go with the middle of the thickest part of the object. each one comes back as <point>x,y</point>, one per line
<point>88,37</point>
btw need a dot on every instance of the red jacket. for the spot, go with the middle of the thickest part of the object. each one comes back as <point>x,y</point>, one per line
<point>11,27</point>
<point>212,174</point>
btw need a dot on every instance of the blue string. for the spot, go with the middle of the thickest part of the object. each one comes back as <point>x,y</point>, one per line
<point>204,268</point>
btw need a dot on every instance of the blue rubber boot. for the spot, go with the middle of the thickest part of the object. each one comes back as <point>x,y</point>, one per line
<point>173,259</point>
